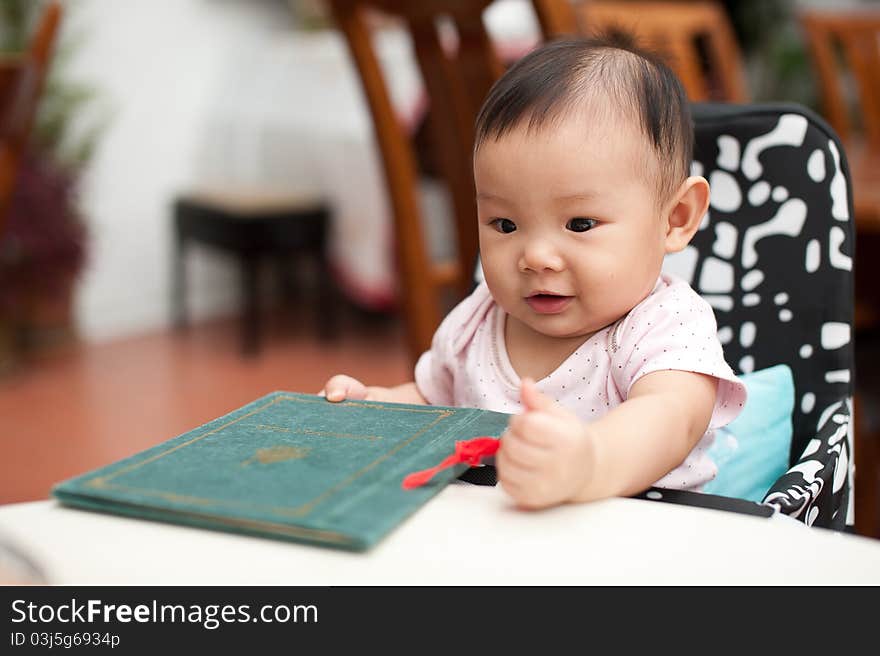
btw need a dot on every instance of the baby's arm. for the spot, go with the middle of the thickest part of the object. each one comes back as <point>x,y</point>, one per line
<point>341,387</point>
<point>549,456</point>
<point>651,433</point>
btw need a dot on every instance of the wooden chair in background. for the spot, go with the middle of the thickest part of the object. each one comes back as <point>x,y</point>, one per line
<point>845,49</point>
<point>21,84</point>
<point>696,38</point>
<point>457,76</point>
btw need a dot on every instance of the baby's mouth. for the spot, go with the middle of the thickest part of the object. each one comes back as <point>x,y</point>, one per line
<point>547,302</point>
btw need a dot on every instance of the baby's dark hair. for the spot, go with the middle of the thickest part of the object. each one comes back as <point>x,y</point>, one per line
<point>561,76</point>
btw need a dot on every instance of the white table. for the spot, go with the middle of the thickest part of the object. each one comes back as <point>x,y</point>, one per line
<point>467,535</point>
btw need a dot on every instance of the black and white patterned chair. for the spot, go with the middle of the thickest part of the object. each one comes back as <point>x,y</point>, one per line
<point>774,257</point>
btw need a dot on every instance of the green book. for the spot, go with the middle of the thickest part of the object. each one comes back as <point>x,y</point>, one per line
<point>291,467</point>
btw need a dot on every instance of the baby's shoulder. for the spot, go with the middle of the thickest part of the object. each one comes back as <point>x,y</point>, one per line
<point>671,297</point>
<point>672,310</point>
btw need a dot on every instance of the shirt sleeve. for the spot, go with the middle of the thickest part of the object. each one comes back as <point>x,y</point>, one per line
<point>675,330</point>
<point>433,374</point>
<point>435,369</point>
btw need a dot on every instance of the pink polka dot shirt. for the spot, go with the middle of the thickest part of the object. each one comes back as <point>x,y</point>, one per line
<point>672,329</point>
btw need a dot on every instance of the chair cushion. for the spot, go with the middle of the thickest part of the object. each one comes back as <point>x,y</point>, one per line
<point>252,202</point>
<point>752,452</point>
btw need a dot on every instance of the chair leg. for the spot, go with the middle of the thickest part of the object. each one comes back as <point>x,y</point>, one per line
<point>250,306</point>
<point>327,301</point>
<point>178,282</point>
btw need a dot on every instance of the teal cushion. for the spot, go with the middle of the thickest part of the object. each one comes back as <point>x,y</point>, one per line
<point>752,451</point>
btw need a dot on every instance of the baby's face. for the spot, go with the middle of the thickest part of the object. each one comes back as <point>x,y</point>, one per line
<point>571,237</point>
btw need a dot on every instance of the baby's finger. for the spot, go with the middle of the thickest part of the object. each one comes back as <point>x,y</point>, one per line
<point>342,387</point>
<point>536,428</point>
<point>521,486</point>
<point>520,454</point>
<point>511,484</point>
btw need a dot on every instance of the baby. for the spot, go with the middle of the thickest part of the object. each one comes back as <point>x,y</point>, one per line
<point>581,166</point>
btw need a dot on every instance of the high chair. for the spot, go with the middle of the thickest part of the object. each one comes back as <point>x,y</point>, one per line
<point>773,257</point>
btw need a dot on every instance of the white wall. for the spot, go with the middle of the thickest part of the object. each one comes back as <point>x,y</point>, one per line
<point>156,65</point>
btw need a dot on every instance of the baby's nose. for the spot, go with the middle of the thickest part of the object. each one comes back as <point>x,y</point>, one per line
<point>541,255</point>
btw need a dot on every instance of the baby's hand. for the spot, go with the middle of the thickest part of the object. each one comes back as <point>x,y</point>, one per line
<point>546,454</point>
<point>341,387</point>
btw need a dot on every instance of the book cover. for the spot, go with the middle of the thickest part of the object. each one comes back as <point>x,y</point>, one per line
<point>290,466</point>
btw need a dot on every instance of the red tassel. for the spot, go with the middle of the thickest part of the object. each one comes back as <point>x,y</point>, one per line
<point>467,451</point>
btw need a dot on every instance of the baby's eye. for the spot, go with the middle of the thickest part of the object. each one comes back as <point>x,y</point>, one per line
<point>580,224</point>
<point>503,225</point>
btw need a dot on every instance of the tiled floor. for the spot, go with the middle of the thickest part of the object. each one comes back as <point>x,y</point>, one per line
<point>86,406</point>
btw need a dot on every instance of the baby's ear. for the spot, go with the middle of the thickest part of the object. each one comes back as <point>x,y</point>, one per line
<point>685,211</point>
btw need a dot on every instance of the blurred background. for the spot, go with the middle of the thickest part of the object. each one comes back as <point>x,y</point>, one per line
<point>198,214</point>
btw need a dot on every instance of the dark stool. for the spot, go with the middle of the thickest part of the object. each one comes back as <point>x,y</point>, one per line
<point>253,227</point>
